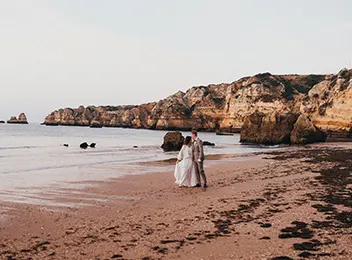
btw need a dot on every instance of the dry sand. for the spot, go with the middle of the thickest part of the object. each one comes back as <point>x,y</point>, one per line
<point>285,205</point>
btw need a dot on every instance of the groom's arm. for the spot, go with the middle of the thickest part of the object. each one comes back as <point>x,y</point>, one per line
<point>201,153</point>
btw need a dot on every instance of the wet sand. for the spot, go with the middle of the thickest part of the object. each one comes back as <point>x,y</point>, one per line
<point>291,204</point>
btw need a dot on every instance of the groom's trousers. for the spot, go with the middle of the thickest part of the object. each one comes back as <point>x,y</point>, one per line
<point>199,169</point>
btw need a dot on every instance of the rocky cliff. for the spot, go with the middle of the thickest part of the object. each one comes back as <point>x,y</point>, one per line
<point>329,104</point>
<point>325,99</point>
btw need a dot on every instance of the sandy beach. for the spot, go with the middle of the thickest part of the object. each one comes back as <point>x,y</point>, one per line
<point>290,204</point>
<point>113,112</point>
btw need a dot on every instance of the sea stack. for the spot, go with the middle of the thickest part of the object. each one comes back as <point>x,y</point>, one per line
<point>22,119</point>
<point>173,141</point>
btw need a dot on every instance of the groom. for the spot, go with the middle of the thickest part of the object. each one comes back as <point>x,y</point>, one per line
<point>198,159</point>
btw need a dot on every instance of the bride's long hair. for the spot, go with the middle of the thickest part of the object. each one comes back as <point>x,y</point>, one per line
<point>187,140</point>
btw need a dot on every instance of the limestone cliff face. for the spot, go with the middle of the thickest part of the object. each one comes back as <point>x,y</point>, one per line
<point>326,99</point>
<point>264,93</point>
<point>329,104</point>
<point>268,128</point>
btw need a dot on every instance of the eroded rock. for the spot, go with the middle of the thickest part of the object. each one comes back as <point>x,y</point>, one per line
<point>304,132</point>
<point>173,141</point>
<point>22,119</point>
<point>269,129</point>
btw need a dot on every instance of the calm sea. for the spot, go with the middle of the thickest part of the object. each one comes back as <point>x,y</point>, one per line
<point>33,158</point>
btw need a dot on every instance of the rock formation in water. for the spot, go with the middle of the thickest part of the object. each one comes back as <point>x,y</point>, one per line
<point>269,129</point>
<point>84,145</point>
<point>2,122</point>
<point>304,132</point>
<point>324,112</point>
<point>22,119</point>
<point>325,99</point>
<point>173,141</point>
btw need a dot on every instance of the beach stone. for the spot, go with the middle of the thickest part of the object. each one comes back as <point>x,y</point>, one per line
<point>84,145</point>
<point>92,145</point>
<point>269,129</point>
<point>206,143</point>
<point>66,145</point>
<point>304,132</point>
<point>173,141</point>
<point>96,124</point>
<point>2,122</point>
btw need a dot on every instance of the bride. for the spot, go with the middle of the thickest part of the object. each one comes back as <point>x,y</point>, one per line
<point>184,170</point>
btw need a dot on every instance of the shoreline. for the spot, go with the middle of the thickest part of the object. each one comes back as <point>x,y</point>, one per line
<point>250,203</point>
<point>215,131</point>
<point>53,196</point>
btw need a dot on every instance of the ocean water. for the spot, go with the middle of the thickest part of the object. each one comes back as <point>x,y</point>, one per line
<point>33,158</point>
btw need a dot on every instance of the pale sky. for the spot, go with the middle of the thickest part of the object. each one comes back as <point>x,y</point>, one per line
<point>66,53</point>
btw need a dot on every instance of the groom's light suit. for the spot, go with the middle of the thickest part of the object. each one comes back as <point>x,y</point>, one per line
<point>198,159</point>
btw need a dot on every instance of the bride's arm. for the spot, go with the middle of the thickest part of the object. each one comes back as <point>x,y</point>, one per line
<point>180,155</point>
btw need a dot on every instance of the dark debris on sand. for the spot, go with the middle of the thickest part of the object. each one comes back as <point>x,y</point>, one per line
<point>298,230</point>
<point>282,258</point>
<point>331,195</point>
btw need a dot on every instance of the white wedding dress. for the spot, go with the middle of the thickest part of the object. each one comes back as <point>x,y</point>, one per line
<point>184,170</point>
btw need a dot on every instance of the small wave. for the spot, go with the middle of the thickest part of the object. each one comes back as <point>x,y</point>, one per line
<point>134,147</point>
<point>20,147</point>
<point>86,164</point>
